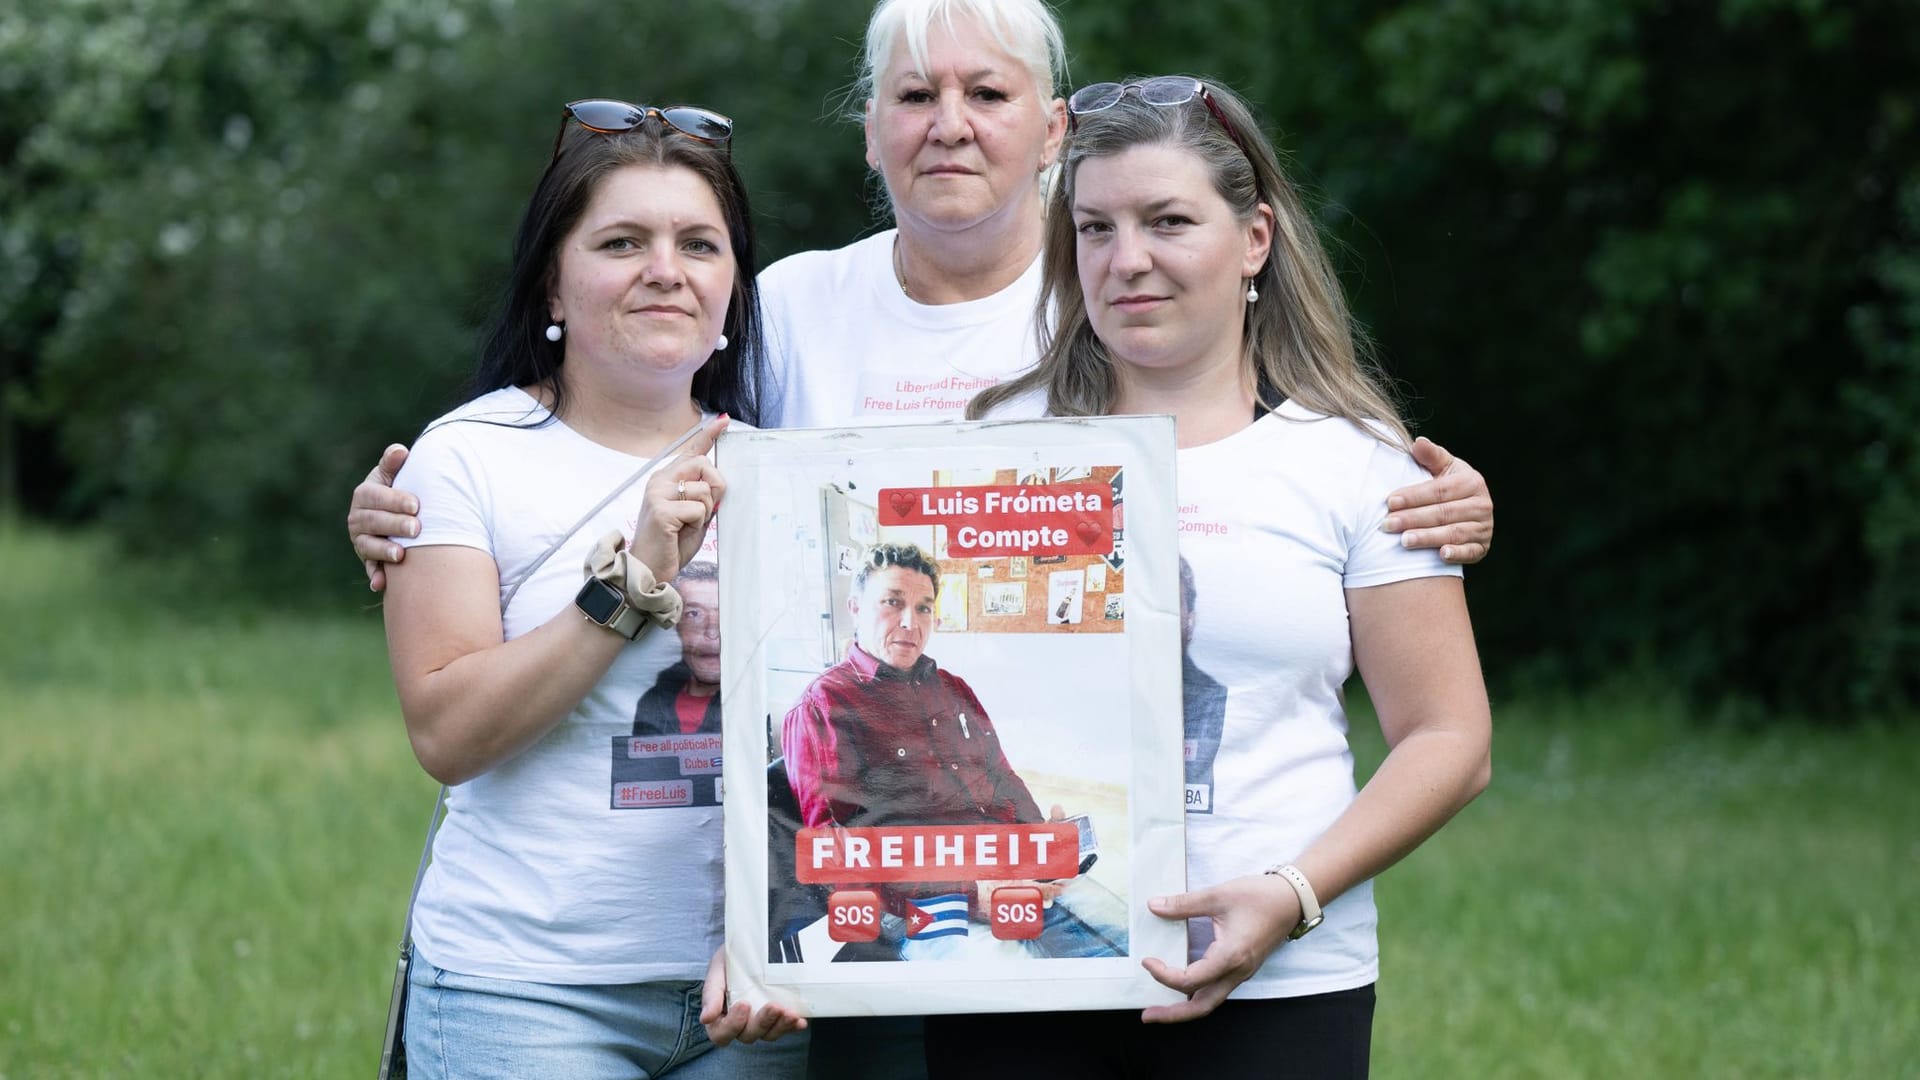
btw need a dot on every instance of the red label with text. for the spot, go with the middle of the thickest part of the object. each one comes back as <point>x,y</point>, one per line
<point>1009,519</point>
<point>937,853</point>
<point>1015,912</point>
<point>853,915</point>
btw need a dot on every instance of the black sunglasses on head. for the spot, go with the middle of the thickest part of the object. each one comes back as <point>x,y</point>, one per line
<point>609,117</point>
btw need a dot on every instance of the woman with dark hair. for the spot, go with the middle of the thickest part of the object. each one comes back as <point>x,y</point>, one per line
<point>570,911</point>
<point>1188,280</point>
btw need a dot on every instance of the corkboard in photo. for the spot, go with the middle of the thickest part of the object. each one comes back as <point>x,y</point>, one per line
<point>1003,598</point>
<point>951,607</point>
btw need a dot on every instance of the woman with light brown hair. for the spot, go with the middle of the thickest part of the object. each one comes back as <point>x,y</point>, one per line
<point>1188,280</point>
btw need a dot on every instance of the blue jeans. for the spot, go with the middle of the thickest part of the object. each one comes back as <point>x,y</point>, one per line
<point>461,1026</point>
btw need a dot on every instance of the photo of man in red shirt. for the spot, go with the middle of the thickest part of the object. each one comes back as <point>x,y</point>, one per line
<point>888,737</point>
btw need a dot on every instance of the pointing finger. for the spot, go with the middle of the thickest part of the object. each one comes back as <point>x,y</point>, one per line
<point>702,442</point>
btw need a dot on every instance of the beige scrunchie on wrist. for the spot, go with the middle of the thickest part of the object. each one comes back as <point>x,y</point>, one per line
<point>611,562</point>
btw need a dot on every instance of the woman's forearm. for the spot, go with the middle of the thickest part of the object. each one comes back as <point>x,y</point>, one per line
<point>1422,783</point>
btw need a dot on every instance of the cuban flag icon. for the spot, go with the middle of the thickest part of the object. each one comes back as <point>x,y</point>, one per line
<point>937,916</point>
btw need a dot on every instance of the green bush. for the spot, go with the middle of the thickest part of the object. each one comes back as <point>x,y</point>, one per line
<point>1655,268</point>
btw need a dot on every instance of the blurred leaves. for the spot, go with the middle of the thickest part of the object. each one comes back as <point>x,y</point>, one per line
<point>1646,265</point>
<point>1654,267</point>
<point>255,239</point>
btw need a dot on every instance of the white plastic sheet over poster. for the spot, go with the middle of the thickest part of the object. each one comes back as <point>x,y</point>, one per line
<point>968,781</point>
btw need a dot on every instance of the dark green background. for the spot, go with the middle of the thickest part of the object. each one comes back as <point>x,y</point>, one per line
<point>1653,266</point>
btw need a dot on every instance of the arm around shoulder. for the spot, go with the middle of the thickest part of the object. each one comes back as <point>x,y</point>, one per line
<point>1452,512</point>
<point>378,512</point>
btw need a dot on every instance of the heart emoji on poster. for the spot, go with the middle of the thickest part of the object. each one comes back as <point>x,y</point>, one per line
<point>1087,531</point>
<point>901,501</point>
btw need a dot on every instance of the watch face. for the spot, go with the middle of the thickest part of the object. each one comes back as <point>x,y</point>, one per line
<point>599,600</point>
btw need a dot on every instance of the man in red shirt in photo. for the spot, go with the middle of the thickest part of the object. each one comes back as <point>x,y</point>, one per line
<point>888,737</point>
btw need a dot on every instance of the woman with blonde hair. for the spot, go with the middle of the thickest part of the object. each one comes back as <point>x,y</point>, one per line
<point>1188,280</point>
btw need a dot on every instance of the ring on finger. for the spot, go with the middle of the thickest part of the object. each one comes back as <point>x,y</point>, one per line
<point>680,489</point>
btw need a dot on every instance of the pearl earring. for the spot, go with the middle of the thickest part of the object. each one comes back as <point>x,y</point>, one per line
<point>1253,294</point>
<point>721,344</point>
<point>554,330</point>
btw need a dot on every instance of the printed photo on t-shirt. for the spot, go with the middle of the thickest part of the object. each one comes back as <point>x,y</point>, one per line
<point>672,757</point>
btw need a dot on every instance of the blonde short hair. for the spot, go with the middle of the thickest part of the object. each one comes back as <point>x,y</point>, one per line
<point>1026,29</point>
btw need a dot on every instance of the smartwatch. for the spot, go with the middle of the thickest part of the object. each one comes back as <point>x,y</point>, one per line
<point>1310,913</point>
<point>607,606</point>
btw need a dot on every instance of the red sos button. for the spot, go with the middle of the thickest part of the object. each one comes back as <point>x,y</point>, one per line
<point>853,915</point>
<point>1016,914</point>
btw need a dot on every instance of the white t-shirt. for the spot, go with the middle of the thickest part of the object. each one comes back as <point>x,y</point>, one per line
<point>540,874</point>
<point>846,346</point>
<point>1276,521</point>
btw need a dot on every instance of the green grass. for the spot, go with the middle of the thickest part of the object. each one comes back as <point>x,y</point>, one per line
<point>1636,896</point>
<point>209,819</point>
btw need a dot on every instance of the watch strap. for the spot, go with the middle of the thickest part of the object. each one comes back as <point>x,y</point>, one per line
<point>1310,913</point>
<point>627,622</point>
<point>623,619</point>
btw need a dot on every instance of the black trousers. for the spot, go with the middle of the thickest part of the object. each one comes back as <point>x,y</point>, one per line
<point>868,1048</point>
<point>1319,1037</point>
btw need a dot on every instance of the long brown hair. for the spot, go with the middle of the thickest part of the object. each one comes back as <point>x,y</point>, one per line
<point>1300,342</point>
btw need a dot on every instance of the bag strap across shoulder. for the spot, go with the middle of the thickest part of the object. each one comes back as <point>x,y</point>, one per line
<point>439,801</point>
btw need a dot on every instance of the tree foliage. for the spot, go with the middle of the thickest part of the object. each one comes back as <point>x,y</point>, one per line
<point>1654,267</point>
<point>1684,217</point>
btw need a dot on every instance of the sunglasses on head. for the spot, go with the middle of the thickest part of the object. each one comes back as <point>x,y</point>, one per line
<point>1164,91</point>
<point>609,117</point>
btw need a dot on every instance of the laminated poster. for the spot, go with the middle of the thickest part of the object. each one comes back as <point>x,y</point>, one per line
<point>969,780</point>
